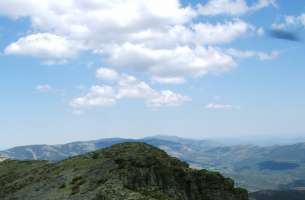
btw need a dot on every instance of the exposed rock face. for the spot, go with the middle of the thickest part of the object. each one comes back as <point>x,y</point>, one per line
<point>134,171</point>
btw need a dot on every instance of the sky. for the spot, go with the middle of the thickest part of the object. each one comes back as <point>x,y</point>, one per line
<point>81,70</point>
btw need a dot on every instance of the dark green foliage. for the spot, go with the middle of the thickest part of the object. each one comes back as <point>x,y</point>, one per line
<point>95,155</point>
<point>62,186</point>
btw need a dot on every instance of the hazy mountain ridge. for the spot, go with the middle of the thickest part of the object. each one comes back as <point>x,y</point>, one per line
<point>62,151</point>
<point>278,195</point>
<point>253,167</point>
<point>58,152</point>
<point>134,171</point>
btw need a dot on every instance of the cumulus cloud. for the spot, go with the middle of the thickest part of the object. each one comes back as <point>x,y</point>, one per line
<point>168,80</point>
<point>168,43</point>
<point>206,33</point>
<point>232,7</point>
<point>171,65</point>
<point>107,74</point>
<point>99,95</point>
<point>91,23</point>
<point>43,45</point>
<point>196,34</point>
<point>98,22</point>
<point>166,98</point>
<point>128,87</point>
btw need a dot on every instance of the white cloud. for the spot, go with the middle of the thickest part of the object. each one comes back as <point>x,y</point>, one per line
<point>44,88</point>
<point>43,45</point>
<point>98,22</point>
<point>290,21</point>
<point>247,54</point>
<point>263,4</point>
<point>171,64</point>
<point>107,74</point>
<point>232,7</point>
<point>168,43</point>
<point>168,80</point>
<point>98,96</point>
<point>174,64</point>
<point>218,106</point>
<point>220,33</point>
<point>196,34</point>
<point>166,98</point>
<point>128,87</point>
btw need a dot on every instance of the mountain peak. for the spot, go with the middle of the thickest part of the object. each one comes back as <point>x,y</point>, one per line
<point>139,154</point>
<point>131,170</point>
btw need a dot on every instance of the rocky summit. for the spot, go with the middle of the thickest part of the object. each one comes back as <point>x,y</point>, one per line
<point>127,171</point>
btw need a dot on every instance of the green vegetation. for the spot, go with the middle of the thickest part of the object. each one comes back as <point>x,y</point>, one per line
<point>132,171</point>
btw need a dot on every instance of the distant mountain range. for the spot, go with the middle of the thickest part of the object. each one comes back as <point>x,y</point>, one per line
<point>253,167</point>
<point>278,195</point>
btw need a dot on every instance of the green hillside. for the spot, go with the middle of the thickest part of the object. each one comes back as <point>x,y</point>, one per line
<point>131,171</point>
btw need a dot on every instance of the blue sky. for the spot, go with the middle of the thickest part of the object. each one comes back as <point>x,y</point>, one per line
<point>74,70</point>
